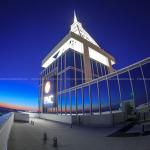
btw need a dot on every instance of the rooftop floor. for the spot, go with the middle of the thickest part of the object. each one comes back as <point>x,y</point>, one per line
<point>25,136</point>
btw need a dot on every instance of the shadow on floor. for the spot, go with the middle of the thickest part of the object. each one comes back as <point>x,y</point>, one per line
<point>123,132</point>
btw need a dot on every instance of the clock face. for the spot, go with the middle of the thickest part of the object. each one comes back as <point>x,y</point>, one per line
<point>47,87</point>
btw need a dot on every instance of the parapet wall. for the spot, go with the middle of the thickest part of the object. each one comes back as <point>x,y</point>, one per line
<point>33,115</point>
<point>5,129</point>
<point>105,120</point>
<point>21,117</point>
<point>58,118</point>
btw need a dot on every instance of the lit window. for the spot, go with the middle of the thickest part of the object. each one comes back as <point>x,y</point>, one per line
<point>98,57</point>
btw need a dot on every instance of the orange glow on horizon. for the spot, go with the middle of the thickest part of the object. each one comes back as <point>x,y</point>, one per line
<point>18,107</point>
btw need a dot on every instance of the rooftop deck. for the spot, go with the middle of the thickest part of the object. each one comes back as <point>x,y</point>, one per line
<point>25,136</point>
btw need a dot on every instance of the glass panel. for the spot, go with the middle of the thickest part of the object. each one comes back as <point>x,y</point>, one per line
<point>106,70</point>
<point>67,79</point>
<point>78,61</point>
<point>138,86</point>
<point>79,100</point>
<point>83,78</point>
<point>95,76</point>
<point>73,101</point>
<point>63,62</point>
<point>63,103</point>
<point>104,98</point>
<point>69,58</point>
<point>146,71</point>
<point>94,97</point>
<point>63,82</point>
<point>67,102</point>
<point>82,62</point>
<point>94,67</point>
<point>103,69</point>
<point>55,64</point>
<point>53,90</point>
<point>70,78</point>
<point>86,99</point>
<point>59,103</point>
<point>99,69</point>
<point>125,87</point>
<point>52,65</point>
<point>49,69</point>
<point>59,83</point>
<point>114,93</point>
<point>78,77</point>
<point>55,103</point>
<point>59,64</point>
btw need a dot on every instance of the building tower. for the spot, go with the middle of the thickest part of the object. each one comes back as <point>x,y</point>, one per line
<point>76,59</point>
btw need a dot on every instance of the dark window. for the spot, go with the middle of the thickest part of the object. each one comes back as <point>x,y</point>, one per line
<point>103,70</point>
<point>49,69</point>
<point>94,97</point>
<point>82,62</point>
<point>70,78</point>
<point>95,76</point>
<point>92,70</point>
<point>138,86</point>
<point>146,72</point>
<point>78,60</point>
<point>69,58</point>
<point>86,99</point>
<point>114,93</point>
<point>63,81</point>
<point>78,77</point>
<point>59,83</point>
<point>106,70</point>
<point>125,87</point>
<point>52,66</point>
<point>59,64</point>
<point>53,87</point>
<point>104,98</point>
<point>67,102</point>
<point>63,103</point>
<point>73,101</point>
<point>99,69</point>
<point>79,100</point>
<point>59,103</point>
<point>67,79</point>
<point>83,77</point>
<point>94,67</point>
<point>63,61</point>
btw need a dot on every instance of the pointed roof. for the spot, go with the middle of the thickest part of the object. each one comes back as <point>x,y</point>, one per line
<point>75,17</point>
<point>77,28</point>
<point>71,41</point>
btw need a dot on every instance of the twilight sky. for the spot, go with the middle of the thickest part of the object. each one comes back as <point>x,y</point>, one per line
<point>29,29</point>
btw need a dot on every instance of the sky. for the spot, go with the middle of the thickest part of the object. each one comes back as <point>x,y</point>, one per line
<point>29,29</point>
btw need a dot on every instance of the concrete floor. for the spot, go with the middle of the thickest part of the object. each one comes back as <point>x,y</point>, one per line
<point>25,136</point>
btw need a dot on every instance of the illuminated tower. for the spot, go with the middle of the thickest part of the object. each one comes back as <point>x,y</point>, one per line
<point>76,59</point>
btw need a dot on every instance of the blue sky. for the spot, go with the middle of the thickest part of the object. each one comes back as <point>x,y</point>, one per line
<point>29,29</point>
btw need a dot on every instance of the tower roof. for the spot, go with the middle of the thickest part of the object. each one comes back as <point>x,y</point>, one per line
<point>75,17</point>
<point>75,40</point>
<point>77,28</point>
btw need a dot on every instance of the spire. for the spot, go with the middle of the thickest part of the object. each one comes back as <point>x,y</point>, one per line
<point>75,17</point>
<point>77,28</point>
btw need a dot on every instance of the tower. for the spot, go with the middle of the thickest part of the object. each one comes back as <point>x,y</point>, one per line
<point>76,59</point>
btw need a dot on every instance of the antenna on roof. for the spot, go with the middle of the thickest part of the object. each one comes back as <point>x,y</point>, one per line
<point>75,17</point>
